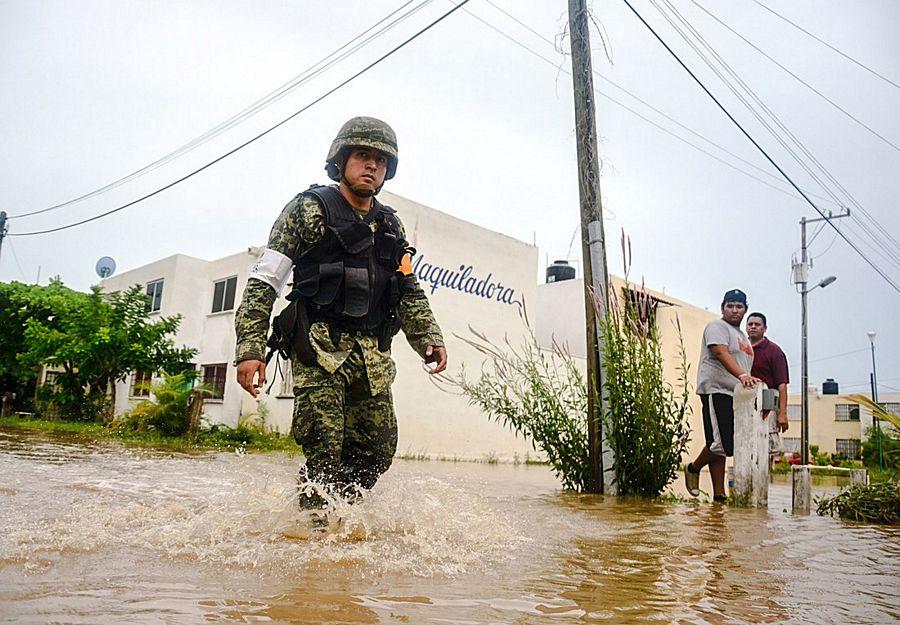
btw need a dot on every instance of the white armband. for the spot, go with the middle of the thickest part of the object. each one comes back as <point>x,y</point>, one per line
<point>273,268</point>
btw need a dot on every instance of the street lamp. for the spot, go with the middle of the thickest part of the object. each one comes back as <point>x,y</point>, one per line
<point>876,421</point>
<point>804,392</point>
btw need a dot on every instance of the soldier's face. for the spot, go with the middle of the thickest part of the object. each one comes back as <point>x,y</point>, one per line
<point>364,170</point>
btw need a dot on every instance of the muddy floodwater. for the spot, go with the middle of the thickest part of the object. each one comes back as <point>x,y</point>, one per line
<point>102,533</point>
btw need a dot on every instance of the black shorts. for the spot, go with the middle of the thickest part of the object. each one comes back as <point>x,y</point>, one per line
<point>723,413</point>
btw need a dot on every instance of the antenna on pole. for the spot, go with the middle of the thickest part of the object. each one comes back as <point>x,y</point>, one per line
<point>106,267</point>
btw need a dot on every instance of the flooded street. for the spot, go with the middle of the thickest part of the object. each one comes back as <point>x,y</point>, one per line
<point>107,534</point>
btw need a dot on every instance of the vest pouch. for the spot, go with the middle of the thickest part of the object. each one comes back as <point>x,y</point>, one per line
<point>356,291</point>
<point>387,246</point>
<point>330,276</point>
<point>306,282</point>
<point>355,237</point>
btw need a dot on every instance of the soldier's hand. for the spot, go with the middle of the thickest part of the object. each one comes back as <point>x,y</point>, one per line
<point>246,371</point>
<point>437,355</point>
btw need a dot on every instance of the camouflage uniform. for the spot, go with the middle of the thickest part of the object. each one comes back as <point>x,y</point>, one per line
<point>343,412</point>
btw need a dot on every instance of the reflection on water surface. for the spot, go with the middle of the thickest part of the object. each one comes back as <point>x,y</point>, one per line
<point>102,533</point>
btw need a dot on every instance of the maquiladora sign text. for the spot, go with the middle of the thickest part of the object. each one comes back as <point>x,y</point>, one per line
<point>462,280</point>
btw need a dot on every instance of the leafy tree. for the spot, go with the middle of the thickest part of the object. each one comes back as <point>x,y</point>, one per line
<point>96,339</point>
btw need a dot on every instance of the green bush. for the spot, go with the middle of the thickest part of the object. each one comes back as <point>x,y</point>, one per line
<point>890,447</point>
<point>872,503</point>
<point>645,419</point>
<point>167,412</point>
<point>540,394</point>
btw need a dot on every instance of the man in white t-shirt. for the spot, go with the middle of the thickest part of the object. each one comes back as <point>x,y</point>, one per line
<point>726,358</point>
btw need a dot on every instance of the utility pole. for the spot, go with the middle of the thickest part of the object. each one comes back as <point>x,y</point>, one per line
<point>593,248</point>
<point>801,276</point>
<point>2,228</point>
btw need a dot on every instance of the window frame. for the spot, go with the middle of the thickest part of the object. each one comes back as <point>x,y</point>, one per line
<point>225,282</point>
<point>140,377</point>
<point>216,383</point>
<point>855,448</point>
<point>156,298</point>
<point>852,409</point>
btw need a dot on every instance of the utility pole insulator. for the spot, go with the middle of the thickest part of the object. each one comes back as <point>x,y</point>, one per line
<point>2,228</point>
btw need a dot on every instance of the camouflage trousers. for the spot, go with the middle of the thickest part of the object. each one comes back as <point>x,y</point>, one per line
<point>348,436</point>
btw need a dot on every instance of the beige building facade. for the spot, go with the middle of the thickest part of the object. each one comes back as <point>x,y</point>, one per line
<point>837,423</point>
<point>476,279</point>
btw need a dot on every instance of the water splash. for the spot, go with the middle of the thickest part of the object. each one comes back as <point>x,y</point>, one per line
<point>411,524</point>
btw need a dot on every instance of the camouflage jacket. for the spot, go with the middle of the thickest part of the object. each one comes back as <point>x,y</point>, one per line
<point>299,227</point>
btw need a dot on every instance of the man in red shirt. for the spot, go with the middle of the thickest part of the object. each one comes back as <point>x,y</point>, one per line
<point>769,364</point>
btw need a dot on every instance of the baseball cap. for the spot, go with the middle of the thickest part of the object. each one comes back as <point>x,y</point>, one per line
<point>734,295</point>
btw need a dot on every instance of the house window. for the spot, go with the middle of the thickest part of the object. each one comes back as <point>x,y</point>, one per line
<point>794,412</point>
<point>52,381</point>
<point>790,444</point>
<point>154,295</point>
<point>140,384</point>
<point>214,377</point>
<point>846,412</point>
<point>223,294</point>
<point>847,448</point>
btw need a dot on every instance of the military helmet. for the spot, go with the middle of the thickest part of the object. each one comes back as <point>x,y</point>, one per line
<point>362,131</point>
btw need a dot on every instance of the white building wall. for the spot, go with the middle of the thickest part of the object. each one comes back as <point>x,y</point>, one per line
<point>473,263</point>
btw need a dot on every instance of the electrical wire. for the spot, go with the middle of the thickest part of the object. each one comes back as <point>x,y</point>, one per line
<point>642,101</point>
<point>255,138</point>
<point>797,78</point>
<point>877,269</point>
<point>828,45</point>
<point>887,248</point>
<point>636,113</point>
<point>16,258</point>
<point>311,72</point>
<point>882,248</point>
<point>855,351</point>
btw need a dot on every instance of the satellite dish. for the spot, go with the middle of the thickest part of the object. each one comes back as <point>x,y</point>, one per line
<point>106,266</point>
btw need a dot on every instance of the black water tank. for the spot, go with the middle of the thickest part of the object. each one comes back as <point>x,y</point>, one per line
<point>830,387</point>
<point>560,270</point>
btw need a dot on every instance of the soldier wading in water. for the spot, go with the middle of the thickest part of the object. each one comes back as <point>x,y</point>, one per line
<point>353,289</point>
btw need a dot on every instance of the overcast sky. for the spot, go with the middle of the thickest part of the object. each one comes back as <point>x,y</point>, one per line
<point>95,90</point>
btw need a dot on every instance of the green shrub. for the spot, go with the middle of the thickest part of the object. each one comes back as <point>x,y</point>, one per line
<point>645,419</point>
<point>872,503</point>
<point>890,447</point>
<point>540,394</point>
<point>167,412</point>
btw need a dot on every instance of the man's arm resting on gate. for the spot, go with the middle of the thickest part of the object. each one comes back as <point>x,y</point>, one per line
<point>722,355</point>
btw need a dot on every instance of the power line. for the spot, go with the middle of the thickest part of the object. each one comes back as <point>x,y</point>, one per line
<point>644,102</point>
<point>887,250</point>
<point>882,248</point>
<point>855,351</point>
<point>761,149</point>
<point>255,138</point>
<point>828,45</point>
<point>308,74</point>
<point>800,80</point>
<point>16,258</point>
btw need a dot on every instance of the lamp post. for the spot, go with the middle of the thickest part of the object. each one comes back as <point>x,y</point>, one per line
<point>875,418</point>
<point>804,364</point>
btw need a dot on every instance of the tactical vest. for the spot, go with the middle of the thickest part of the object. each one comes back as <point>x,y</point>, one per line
<point>350,277</point>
